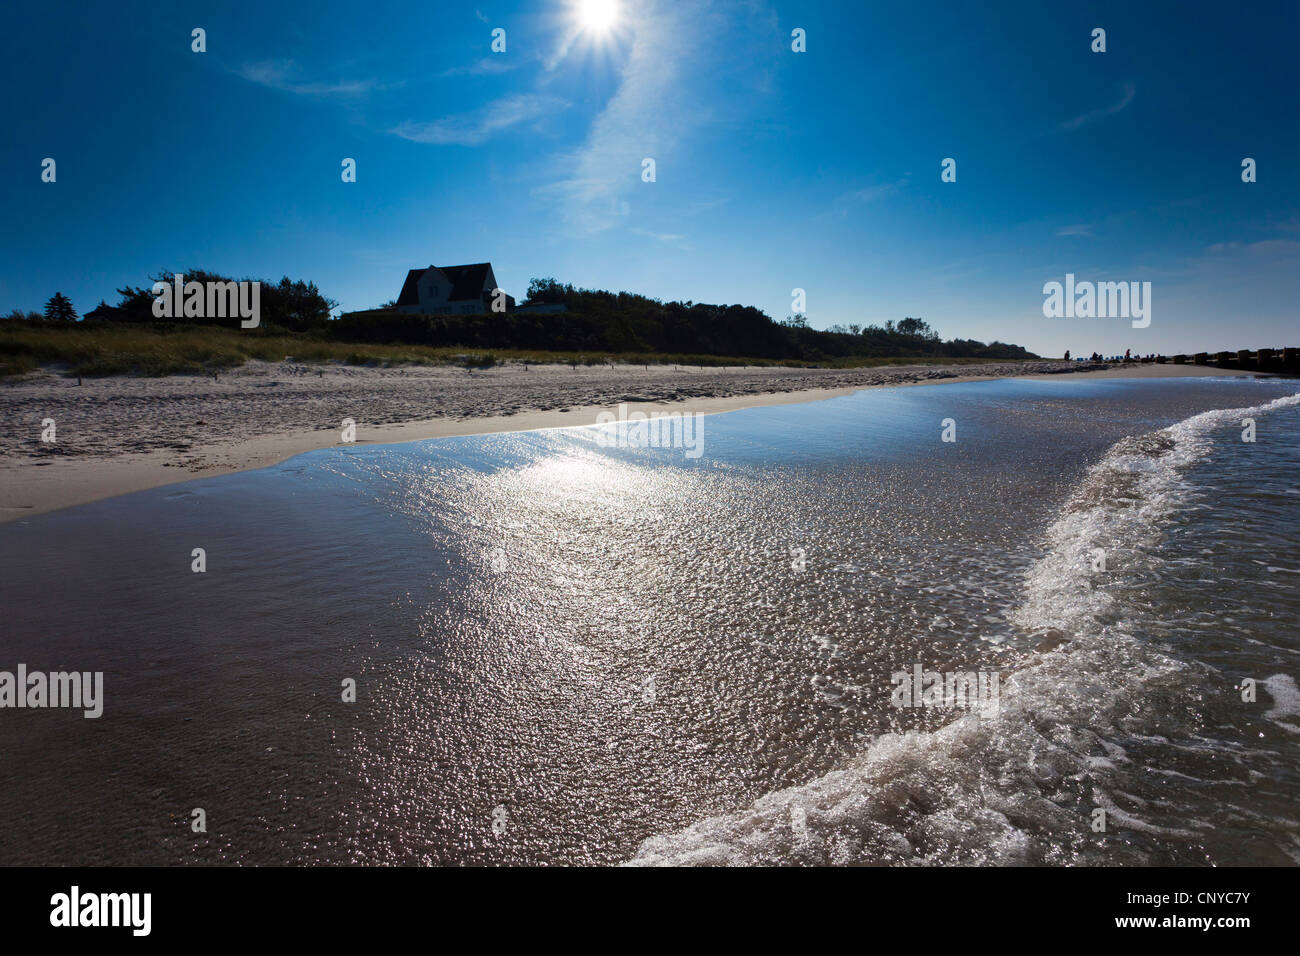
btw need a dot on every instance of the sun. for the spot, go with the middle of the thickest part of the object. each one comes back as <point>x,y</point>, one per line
<point>598,16</point>
<point>596,31</point>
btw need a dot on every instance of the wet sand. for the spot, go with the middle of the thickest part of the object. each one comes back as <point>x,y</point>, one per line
<point>121,434</point>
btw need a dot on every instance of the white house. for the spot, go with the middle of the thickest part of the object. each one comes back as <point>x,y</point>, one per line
<point>451,290</point>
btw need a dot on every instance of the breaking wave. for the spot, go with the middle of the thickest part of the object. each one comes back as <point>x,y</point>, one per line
<point>1093,714</point>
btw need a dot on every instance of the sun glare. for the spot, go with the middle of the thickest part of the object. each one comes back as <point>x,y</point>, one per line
<point>597,15</point>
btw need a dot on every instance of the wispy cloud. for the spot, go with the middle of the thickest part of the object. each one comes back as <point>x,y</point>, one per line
<point>661,236</point>
<point>872,193</point>
<point>634,124</point>
<point>663,98</point>
<point>1077,230</point>
<point>471,129</point>
<point>867,194</point>
<point>557,55</point>
<point>1267,247</point>
<point>1130,90</point>
<point>285,76</point>
<point>487,66</point>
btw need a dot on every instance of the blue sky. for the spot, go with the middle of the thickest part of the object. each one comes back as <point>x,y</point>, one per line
<point>774,169</point>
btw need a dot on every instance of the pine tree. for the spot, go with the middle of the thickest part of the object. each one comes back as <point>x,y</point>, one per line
<point>60,309</point>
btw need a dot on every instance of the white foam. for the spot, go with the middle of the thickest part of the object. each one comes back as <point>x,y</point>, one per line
<point>1000,788</point>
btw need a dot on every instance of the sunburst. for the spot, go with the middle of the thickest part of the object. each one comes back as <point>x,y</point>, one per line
<point>596,16</point>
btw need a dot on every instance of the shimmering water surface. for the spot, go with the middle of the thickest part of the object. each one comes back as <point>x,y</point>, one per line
<point>611,654</point>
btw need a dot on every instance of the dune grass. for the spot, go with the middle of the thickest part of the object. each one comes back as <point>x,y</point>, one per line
<point>101,350</point>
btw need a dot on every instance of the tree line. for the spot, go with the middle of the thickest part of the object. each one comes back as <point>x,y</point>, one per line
<point>599,320</point>
<point>287,305</point>
<point>594,320</point>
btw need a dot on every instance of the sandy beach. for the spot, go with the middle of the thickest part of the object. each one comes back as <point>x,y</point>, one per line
<point>118,435</point>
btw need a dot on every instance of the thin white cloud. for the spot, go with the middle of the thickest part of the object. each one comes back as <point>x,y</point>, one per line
<point>1078,230</point>
<point>1130,90</point>
<point>635,124</point>
<point>487,66</point>
<point>562,48</point>
<point>284,75</point>
<point>1267,247</point>
<point>868,194</point>
<point>663,99</point>
<point>1284,247</point>
<point>471,129</point>
<point>872,193</point>
<point>661,236</point>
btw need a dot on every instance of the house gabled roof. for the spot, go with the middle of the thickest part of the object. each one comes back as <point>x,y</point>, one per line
<point>410,293</point>
<point>466,283</point>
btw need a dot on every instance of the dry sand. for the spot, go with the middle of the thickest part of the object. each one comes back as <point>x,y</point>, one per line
<point>117,435</point>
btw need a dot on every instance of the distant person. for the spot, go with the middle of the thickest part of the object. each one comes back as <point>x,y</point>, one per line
<point>1067,355</point>
<point>1128,354</point>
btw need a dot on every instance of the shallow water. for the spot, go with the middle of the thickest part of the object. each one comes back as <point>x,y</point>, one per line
<point>570,653</point>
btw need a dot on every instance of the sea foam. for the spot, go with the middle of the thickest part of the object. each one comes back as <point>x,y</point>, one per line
<point>1019,786</point>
